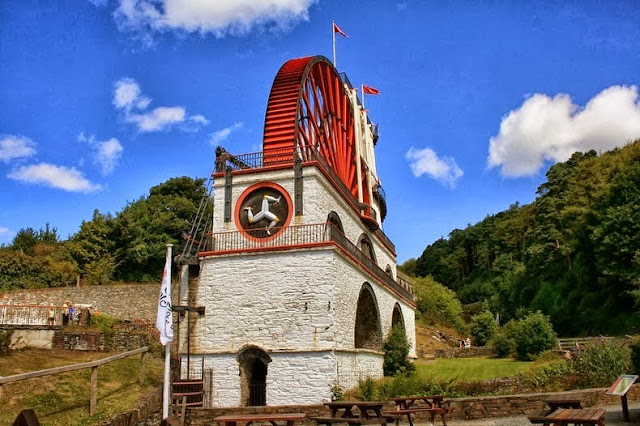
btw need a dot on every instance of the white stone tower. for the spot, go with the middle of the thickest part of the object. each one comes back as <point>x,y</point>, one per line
<point>297,288</point>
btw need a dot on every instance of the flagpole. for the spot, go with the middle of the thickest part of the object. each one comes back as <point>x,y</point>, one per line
<point>167,352</point>
<point>333,38</point>
<point>362,88</point>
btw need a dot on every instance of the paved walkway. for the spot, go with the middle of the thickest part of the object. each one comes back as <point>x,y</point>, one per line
<point>612,418</point>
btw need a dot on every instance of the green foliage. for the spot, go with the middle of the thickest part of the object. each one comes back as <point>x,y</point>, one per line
<point>552,376</point>
<point>103,322</point>
<point>396,352</point>
<point>533,335</point>
<point>634,345</point>
<point>482,328</point>
<point>601,363</point>
<point>437,304</point>
<point>366,390</point>
<point>100,271</point>
<point>24,271</point>
<point>573,253</point>
<point>502,345</point>
<point>337,392</point>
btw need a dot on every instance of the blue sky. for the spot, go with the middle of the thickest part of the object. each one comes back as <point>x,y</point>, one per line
<point>100,100</point>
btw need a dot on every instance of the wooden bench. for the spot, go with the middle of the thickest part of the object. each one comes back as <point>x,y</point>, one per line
<point>434,405</point>
<point>355,420</point>
<point>539,416</point>
<point>290,419</point>
<point>583,416</point>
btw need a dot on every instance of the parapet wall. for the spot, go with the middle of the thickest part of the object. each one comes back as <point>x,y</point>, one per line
<point>461,408</point>
<point>472,352</point>
<point>124,301</point>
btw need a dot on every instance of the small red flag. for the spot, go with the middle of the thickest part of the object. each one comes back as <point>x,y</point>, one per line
<point>370,90</point>
<point>337,29</point>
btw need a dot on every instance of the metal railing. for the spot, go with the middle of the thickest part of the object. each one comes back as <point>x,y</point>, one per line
<point>288,156</point>
<point>301,236</point>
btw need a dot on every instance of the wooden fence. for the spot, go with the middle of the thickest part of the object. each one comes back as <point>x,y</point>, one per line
<point>93,403</point>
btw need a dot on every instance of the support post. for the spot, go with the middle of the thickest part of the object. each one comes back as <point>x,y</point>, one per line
<point>93,404</point>
<point>165,389</point>
<point>143,359</point>
<point>625,408</point>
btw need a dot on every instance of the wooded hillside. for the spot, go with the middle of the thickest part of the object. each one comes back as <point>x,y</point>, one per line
<point>574,253</point>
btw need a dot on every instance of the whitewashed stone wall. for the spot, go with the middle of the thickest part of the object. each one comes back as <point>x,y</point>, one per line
<point>358,364</point>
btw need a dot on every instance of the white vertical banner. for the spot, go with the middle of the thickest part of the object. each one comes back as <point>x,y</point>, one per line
<point>164,320</point>
<point>164,323</point>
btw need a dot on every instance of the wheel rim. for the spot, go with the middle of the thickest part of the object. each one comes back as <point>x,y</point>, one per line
<point>309,110</point>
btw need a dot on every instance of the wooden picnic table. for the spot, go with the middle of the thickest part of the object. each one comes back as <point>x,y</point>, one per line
<point>573,416</point>
<point>290,419</point>
<point>408,405</point>
<point>356,413</point>
<point>563,401</point>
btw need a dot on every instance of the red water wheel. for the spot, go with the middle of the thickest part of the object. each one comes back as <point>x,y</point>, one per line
<point>309,110</point>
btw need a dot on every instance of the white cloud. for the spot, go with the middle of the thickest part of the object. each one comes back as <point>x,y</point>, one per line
<point>221,135</point>
<point>107,153</point>
<point>12,147</point>
<point>547,129</point>
<point>128,98</point>
<point>68,179</point>
<point>219,17</point>
<point>98,3</point>
<point>4,231</point>
<point>442,169</point>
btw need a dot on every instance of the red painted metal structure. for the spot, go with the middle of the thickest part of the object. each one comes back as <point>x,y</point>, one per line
<point>309,109</point>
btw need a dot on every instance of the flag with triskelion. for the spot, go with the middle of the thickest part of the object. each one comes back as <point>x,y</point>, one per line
<point>164,321</point>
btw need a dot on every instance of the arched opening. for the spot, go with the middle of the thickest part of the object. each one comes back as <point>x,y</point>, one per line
<point>334,219</point>
<point>365,246</point>
<point>253,376</point>
<point>397,320</point>
<point>368,332</point>
<point>389,271</point>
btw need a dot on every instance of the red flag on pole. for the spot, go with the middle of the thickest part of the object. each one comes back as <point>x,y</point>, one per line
<point>337,29</point>
<point>370,90</point>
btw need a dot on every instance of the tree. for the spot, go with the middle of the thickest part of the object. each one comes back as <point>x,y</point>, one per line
<point>396,352</point>
<point>482,328</point>
<point>437,304</point>
<point>533,335</point>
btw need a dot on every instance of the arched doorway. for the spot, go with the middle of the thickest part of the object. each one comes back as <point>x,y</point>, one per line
<point>397,319</point>
<point>368,332</point>
<point>253,376</point>
<point>366,247</point>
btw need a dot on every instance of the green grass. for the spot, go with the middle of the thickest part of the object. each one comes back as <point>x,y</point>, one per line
<point>471,369</point>
<point>63,399</point>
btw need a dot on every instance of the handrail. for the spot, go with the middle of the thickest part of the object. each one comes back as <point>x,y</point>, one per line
<point>303,236</point>
<point>309,155</point>
<point>67,368</point>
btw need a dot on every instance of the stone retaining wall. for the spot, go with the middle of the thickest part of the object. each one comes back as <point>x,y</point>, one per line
<point>147,413</point>
<point>472,352</point>
<point>123,301</point>
<point>460,408</point>
<point>120,341</point>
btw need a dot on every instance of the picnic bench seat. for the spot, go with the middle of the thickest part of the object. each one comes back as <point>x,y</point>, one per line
<point>539,416</point>
<point>328,420</point>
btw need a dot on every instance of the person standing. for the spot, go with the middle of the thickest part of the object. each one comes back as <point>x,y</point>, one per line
<point>65,314</point>
<point>71,312</point>
<point>52,316</point>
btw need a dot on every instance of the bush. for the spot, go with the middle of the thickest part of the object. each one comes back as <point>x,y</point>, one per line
<point>103,322</point>
<point>550,377</point>
<point>366,390</point>
<point>396,351</point>
<point>482,328</point>
<point>502,345</point>
<point>601,363</point>
<point>532,335</point>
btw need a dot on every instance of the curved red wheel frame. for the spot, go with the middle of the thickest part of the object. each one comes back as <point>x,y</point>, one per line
<point>309,109</point>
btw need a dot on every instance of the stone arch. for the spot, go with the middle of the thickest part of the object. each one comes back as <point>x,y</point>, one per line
<point>334,219</point>
<point>253,363</point>
<point>389,271</point>
<point>397,319</point>
<point>366,247</point>
<point>368,331</point>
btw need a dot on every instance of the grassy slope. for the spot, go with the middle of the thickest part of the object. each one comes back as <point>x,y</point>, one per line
<point>471,369</point>
<point>63,399</point>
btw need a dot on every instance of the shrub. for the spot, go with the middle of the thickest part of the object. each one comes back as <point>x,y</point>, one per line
<point>601,363</point>
<point>554,376</point>
<point>396,351</point>
<point>502,345</point>
<point>482,328</point>
<point>532,335</point>
<point>103,322</point>
<point>366,390</point>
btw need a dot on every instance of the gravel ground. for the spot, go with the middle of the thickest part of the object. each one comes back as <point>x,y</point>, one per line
<point>612,418</point>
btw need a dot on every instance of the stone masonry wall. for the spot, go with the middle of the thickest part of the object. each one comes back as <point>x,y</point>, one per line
<point>461,408</point>
<point>125,301</point>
